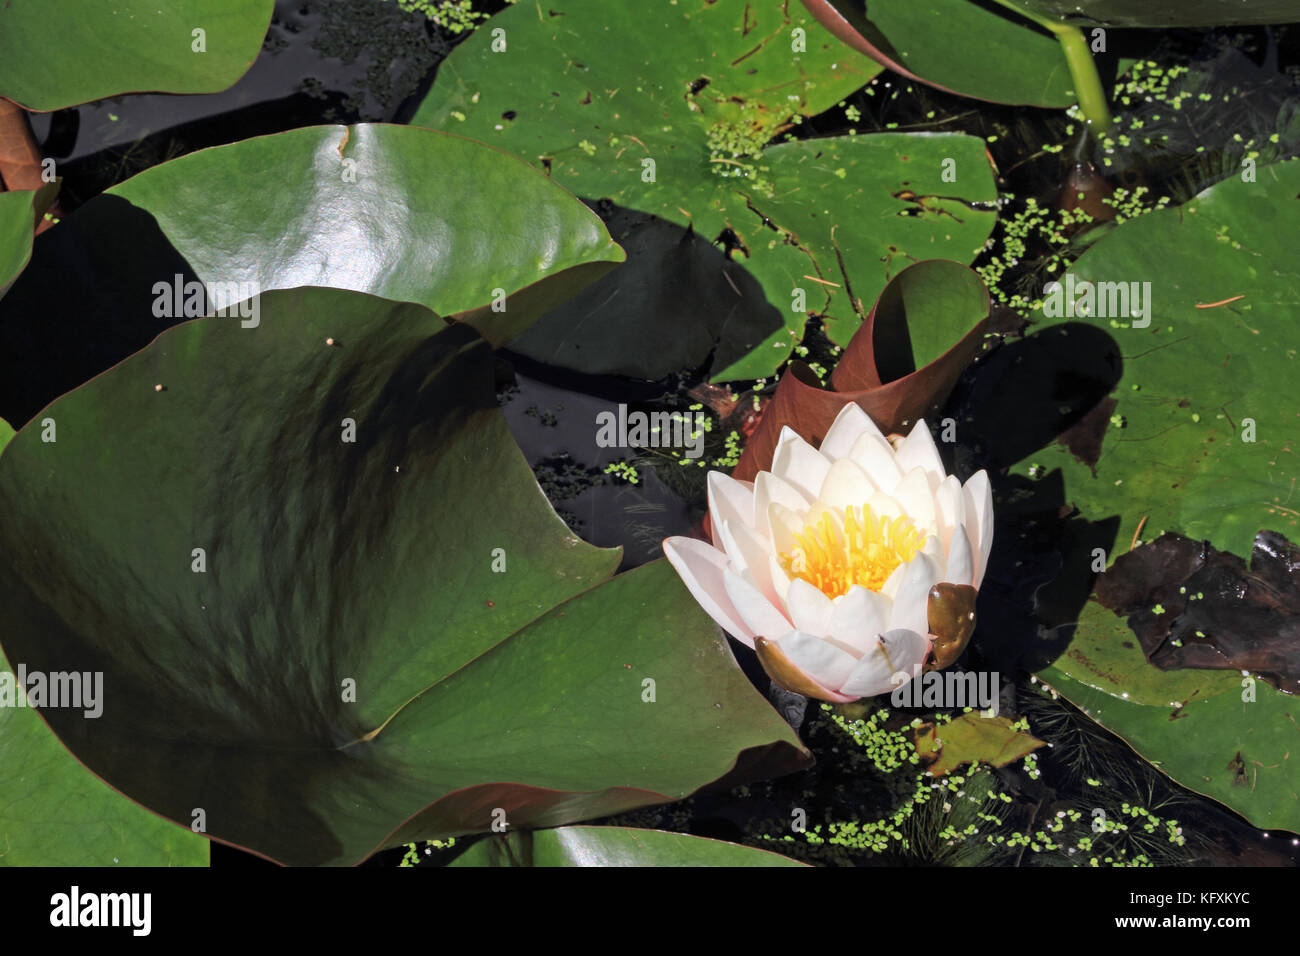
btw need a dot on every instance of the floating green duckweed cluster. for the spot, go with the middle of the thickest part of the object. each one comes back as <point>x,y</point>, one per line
<point>454,16</point>
<point>736,147</point>
<point>431,848</point>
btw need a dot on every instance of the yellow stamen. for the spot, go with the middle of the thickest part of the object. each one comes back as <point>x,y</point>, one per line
<point>865,550</point>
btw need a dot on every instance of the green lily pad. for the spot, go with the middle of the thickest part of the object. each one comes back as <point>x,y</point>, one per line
<point>612,846</point>
<point>966,48</point>
<point>382,639</point>
<point>700,93</point>
<point>1203,378</point>
<point>19,211</point>
<point>1238,752</point>
<point>391,210</point>
<point>58,53</point>
<point>1163,13</point>
<point>53,812</point>
<point>56,814</point>
<point>1197,443</point>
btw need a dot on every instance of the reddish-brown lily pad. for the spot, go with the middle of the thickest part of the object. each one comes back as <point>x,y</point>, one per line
<point>920,314</point>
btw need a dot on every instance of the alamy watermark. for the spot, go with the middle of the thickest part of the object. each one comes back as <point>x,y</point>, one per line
<point>947,689</point>
<point>57,689</point>
<point>638,429</point>
<point>1098,300</point>
<point>191,300</point>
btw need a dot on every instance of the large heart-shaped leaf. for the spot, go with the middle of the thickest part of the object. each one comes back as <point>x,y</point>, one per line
<point>677,126</point>
<point>58,53</point>
<point>392,210</point>
<point>56,814</point>
<point>1162,13</point>
<point>613,846</point>
<point>406,213</point>
<point>972,49</point>
<point>53,812</point>
<point>1197,442</point>
<point>333,610</point>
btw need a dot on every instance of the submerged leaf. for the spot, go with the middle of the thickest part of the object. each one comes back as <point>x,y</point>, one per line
<point>972,738</point>
<point>1191,605</point>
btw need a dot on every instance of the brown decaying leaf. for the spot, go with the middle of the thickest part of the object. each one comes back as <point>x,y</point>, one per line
<point>20,157</point>
<point>1214,613</point>
<point>802,403</point>
<point>970,737</point>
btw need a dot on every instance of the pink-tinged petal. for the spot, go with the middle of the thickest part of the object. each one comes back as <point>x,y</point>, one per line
<point>782,526</point>
<point>860,616</point>
<point>810,610</point>
<point>917,499</point>
<point>758,613</point>
<point>819,659</point>
<point>799,463</point>
<point>729,500</point>
<point>961,559</point>
<point>897,652</point>
<point>846,485</point>
<point>979,520</point>
<point>950,505</point>
<point>850,424</point>
<point>702,569</point>
<point>785,673</point>
<point>913,597</point>
<point>780,580</point>
<point>749,554</point>
<point>769,490</point>
<point>918,451</point>
<point>874,454</point>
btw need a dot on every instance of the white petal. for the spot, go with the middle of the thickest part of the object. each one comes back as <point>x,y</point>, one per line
<point>961,560</point>
<point>819,659</point>
<point>917,450</point>
<point>782,526</point>
<point>950,505</point>
<point>760,617</point>
<point>912,602</point>
<point>876,457</point>
<point>780,580</point>
<point>979,520</point>
<point>897,652</point>
<point>748,551</point>
<point>768,488</point>
<point>799,463</point>
<point>917,499</point>
<point>860,617</point>
<point>890,588</point>
<point>885,506</point>
<point>849,424</point>
<point>810,610</point>
<point>729,500</point>
<point>702,569</point>
<point>846,484</point>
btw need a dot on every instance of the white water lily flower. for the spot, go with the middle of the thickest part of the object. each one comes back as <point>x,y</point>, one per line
<point>828,564</point>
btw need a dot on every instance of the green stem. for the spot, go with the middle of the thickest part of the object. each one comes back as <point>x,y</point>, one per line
<point>1087,83</point>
